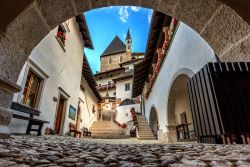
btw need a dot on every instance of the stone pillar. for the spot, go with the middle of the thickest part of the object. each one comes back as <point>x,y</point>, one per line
<point>7,88</point>
<point>171,134</point>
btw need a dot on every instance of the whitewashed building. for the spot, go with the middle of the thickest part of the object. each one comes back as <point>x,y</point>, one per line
<point>52,80</point>
<point>116,77</point>
<point>174,54</point>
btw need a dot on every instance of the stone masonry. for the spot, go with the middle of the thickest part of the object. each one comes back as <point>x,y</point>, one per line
<point>48,151</point>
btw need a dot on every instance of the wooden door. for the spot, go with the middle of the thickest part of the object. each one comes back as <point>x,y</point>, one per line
<point>59,116</point>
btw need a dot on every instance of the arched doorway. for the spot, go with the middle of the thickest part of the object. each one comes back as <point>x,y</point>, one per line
<point>153,121</point>
<point>28,25</point>
<point>179,116</point>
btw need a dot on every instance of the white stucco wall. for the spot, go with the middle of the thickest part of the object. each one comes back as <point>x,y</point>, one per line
<point>182,104</point>
<point>63,70</point>
<point>120,89</point>
<point>105,81</point>
<point>123,114</point>
<point>187,55</point>
<point>88,100</point>
<point>129,66</point>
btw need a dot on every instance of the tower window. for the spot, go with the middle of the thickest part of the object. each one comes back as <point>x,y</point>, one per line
<point>110,60</point>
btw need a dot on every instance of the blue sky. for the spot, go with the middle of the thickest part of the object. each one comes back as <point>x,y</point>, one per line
<point>105,23</point>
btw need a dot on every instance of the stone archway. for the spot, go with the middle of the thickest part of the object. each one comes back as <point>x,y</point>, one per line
<point>153,121</point>
<point>29,22</point>
<point>178,110</point>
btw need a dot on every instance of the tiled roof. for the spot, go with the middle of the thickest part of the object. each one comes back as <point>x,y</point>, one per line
<point>132,61</point>
<point>125,75</point>
<point>83,28</point>
<point>110,71</point>
<point>116,46</point>
<point>88,75</point>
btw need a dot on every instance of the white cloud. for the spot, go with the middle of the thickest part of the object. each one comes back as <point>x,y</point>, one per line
<point>124,36</point>
<point>135,9</point>
<point>123,12</point>
<point>150,13</point>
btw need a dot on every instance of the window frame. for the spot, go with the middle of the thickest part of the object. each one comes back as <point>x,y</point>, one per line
<point>28,88</point>
<point>110,60</point>
<point>129,87</point>
<point>30,65</point>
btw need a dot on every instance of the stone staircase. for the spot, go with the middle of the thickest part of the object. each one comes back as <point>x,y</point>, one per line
<point>144,131</point>
<point>106,130</point>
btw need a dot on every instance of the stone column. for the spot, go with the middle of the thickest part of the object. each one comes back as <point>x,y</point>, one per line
<point>171,134</point>
<point>7,89</point>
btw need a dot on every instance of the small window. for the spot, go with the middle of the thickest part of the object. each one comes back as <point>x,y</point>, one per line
<point>31,89</point>
<point>114,93</point>
<point>100,77</point>
<point>111,75</point>
<point>61,35</point>
<point>110,60</point>
<point>121,58</point>
<point>127,87</point>
<point>109,82</point>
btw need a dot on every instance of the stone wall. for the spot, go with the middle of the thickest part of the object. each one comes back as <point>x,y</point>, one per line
<point>105,61</point>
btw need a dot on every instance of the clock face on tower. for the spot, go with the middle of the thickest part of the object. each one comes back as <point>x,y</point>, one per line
<point>107,106</point>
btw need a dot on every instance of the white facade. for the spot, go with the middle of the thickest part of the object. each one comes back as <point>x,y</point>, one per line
<point>61,73</point>
<point>123,114</point>
<point>88,106</point>
<point>188,53</point>
<point>121,93</point>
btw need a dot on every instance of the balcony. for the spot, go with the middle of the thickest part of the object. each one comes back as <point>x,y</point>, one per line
<point>106,87</point>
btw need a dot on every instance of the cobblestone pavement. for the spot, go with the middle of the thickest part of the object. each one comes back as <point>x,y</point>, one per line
<point>24,151</point>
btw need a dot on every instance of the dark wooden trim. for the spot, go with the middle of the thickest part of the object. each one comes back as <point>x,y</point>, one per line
<point>25,109</point>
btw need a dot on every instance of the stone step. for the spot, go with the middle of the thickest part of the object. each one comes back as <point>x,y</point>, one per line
<point>146,138</point>
<point>144,131</point>
<point>141,133</point>
<point>106,129</point>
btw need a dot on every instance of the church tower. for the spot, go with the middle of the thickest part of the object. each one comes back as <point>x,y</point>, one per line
<point>128,45</point>
<point>128,42</point>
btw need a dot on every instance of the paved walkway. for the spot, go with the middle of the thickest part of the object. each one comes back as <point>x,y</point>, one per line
<point>48,151</point>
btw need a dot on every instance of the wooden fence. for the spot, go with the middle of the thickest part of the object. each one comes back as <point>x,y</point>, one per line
<point>220,102</point>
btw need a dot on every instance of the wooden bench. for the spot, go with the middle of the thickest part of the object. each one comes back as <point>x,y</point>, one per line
<point>86,132</point>
<point>32,121</point>
<point>72,129</point>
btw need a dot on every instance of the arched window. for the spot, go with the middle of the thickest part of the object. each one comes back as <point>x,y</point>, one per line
<point>110,60</point>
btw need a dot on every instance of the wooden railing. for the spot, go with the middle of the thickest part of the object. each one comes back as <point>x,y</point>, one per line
<point>107,86</point>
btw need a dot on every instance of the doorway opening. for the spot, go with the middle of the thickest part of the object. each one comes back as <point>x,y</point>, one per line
<point>60,114</point>
<point>179,112</point>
